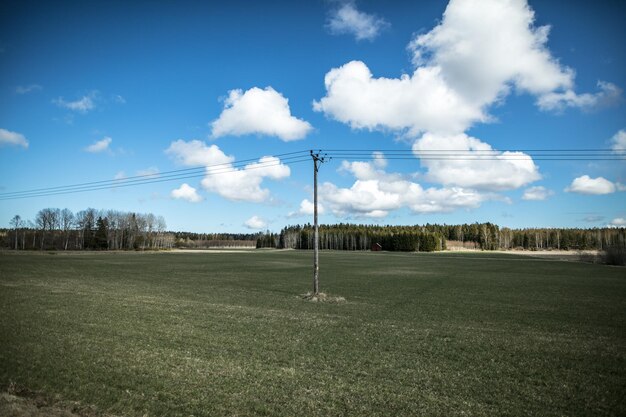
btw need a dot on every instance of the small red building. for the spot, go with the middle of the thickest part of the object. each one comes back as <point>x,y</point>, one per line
<point>376,247</point>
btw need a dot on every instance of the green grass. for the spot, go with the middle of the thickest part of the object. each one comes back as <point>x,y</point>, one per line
<point>226,334</point>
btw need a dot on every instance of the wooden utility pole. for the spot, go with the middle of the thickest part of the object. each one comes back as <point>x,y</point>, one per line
<point>317,161</point>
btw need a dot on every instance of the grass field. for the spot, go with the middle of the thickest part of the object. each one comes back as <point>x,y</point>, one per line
<point>168,334</point>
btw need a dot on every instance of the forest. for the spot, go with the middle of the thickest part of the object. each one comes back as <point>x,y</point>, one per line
<point>433,237</point>
<point>91,229</point>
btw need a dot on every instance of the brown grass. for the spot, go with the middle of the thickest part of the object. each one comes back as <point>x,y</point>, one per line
<point>322,298</point>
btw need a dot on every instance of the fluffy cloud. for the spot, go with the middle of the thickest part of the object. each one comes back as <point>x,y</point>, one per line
<point>348,20</point>
<point>307,207</point>
<point>608,95</point>
<point>461,70</point>
<point>12,138</point>
<point>82,105</point>
<point>538,193</point>
<point>264,112</point>
<point>375,193</point>
<point>255,222</point>
<point>474,164</point>
<point>186,192</point>
<point>245,184</point>
<point>195,152</point>
<point>223,177</point>
<point>482,67</point>
<point>417,103</point>
<point>618,222</point>
<point>618,141</point>
<point>588,185</point>
<point>99,146</point>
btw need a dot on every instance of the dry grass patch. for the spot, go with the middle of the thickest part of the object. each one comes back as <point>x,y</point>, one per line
<point>323,298</point>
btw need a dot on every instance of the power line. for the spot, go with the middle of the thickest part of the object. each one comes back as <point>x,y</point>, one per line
<point>119,181</point>
<point>295,157</point>
<point>141,179</point>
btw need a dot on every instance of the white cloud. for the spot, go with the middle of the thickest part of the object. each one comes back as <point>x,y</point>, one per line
<point>348,20</point>
<point>477,165</point>
<point>255,222</point>
<point>223,177</point>
<point>608,95</point>
<point>618,141</point>
<point>195,152</point>
<point>258,111</point>
<point>12,138</point>
<point>99,146</point>
<point>20,89</point>
<point>537,193</point>
<point>618,222</point>
<point>417,103</point>
<point>588,185</point>
<point>82,105</point>
<point>306,209</point>
<point>245,184</point>
<point>186,192</point>
<point>375,193</point>
<point>461,70</point>
<point>484,47</point>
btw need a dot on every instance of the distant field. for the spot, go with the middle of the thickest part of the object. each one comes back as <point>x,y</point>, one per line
<point>441,334</point>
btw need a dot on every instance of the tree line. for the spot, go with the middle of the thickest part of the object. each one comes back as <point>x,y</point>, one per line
<point>216,240</point>
<point>61,229</point>
<point>357,237</point>
<point>433,237</point>
<point>56,229</point>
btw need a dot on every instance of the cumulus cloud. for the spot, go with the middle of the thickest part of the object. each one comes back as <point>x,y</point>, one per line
<point>537,193</point>
<point>588,185</point>
<point>618,141</point>
<point>82,105</point>
<point>255,222</point>
<point>618,222</point>
<point>483,67</point>
<point>417,103</point>
<point>375,193</point>
<point>306,209</point>
<point>347,19</point>
<point>608,95</point>
<point>186,192</point>
<point>8,137</point>
<point>473,163</point>
<point>223,177</point>
<point>196,152</point>
<point>461,71</point>
<point>21,89</point>
<point>258,111</point>
<point>99,146</point>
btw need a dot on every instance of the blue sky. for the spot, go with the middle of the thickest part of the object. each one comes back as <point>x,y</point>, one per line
<point>94,91</point>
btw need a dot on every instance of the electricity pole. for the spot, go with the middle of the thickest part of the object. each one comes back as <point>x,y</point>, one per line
<point>317,161</point>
